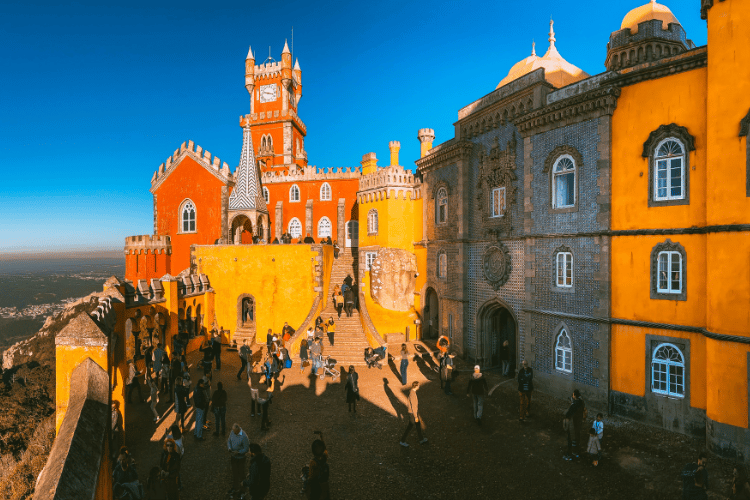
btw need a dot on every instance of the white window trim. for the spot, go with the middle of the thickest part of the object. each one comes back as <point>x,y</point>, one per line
<point>266,195</point>
<point>667,364</point>
<point>670,255</point>
<point>492,202</point>
<point>442,200</point>
<point>330,227</point>
<point>566,172</point>
<point>372,222</point>
<point>567,258</point>
<point>182,217</point>
<point>669,196</point>
<point>289,227</point>
<point>323,197</point>
<point>564,351</point>
<point>369,259</point>
<point>299,194</point>
<point>442,257</point>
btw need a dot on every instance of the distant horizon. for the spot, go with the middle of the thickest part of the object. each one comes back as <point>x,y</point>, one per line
<point>66,253</point>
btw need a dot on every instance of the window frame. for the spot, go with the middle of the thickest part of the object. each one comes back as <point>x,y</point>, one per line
<point>291,191</point>
<point>669,159</point>
<point>289,227</point>
<point>266,195</point>
<point>495,190</point>
<point>370,259</point>
<point>657,292</point>
<point>372,222</point>
<point>441,202</point>
<point>553,180</point>
<point>329,192</point>
<point>442,265</point>
<point>669,255</point>
<point>183,205</point>
<point>563,331</point>
<point>668,363</point>
<point>330,227</point>
<point>567,256</point>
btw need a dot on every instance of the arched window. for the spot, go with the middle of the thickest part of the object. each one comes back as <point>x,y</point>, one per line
<point>669,171</point>
<point>564,182</point>
<point>563,352</point>
<point>442,270</point>
<point>325,192</point>
<point>266,195</point>
<point>188,217</point>
<point>564,265</point>
<point>324,227</point>
<point>295,228</point>
<point>294,193</point>
<point>668,371</point>
<point>372,222</point>
<point>441,208</point>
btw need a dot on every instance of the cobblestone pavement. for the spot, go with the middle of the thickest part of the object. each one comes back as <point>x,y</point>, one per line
<point>503,458</point>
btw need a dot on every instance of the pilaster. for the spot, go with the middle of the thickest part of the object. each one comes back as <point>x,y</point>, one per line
<point>341,222</point>
<point>279,229</point>
<point>309,218</point>
<point>226,237</point>
<point>288,146</point>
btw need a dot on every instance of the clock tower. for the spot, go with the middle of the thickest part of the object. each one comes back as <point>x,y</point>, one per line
<point>275,90</point>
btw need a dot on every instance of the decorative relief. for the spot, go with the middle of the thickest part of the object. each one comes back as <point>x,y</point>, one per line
<point>496,264</point>
<point>558,152</point>
<point>497,170</point>
<point>392,279</point>
<point>664,131</point>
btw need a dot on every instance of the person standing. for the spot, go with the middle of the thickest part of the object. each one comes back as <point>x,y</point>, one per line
<point>594,447</point>
<point>219,407</point>
<point>216,348</point>
<point>200,401</point>
<point>413,416</point>
<point>116,435</point>
<point>254,383</point>
<point>170,468</point>
<point>264,398</point>
<point>148,353</point>
<point>317,487</point>
<point>180,401</point>
<point>258,480</point>
<point>525,388</point>
<point>352,389</point>
<point>331,328</point>
<point>339,303</point>
<point>446,372</point>
<point>355,291</point>
<point>478,389</point>
<point>245,354</point>
<point>693,470</point>
<point>132,382</point>
<point>404,363</point>
<point>348,302</point>
<point>238,445</point>
<point>158,357</point>
<point>269,340</point>
<point>303,356</point>
<point>175,371</point>
<point>573,422</point>
<point>316,351</point>
<point>505,357</point>
<point>165,374</point>
<point>154,390</point>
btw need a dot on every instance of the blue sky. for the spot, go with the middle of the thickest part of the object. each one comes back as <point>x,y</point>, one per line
<point>95,95</point>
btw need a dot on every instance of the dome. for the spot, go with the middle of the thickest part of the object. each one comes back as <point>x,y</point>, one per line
<point>648,12</point>
<point>557,70</point>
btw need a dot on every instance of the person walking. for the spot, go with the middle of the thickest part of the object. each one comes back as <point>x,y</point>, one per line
<point>254,383</point>
<point>170,469</point>
<point>258,480</point>
<point>216,348</point>
<point>303,355</point>
<point>181,395</point>
<point>158,358</point>
<point>339,303</point>
<point>238,445</point>
<point>264,398</point>
<point>331,328</point>
<point>352,389</point>
<point>478,389</point>
<point>446,372</point>
<point>404,363</point>
<point>165,374</point>
<point>573,422</point>
<point>148,352</point>
<point>219,407</point>
<point>208,358</point>
<point>132,382</point>
<point>317,487</point>
<point>200,401</point>
<point>175,371</point>
<point>349,302</point>
<point>413,416</point>
<point>154,397</point>
<point>525,388</point>
<point>316,352</point>
<point>245,354</point>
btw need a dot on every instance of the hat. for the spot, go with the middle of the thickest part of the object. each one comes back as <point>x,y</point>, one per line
<point>476,368</point>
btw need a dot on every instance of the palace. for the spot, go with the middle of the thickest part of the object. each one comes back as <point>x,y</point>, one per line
<point>598,223</point>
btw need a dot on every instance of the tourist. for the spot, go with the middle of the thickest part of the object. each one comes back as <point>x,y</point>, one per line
<point>170,469</point>
<point>478,389</point>
<point>201,406</point>
<point>598,426</point>
<point>258,480</point>
<point>245,355</point>
<point>253,382</point>
<point>132,382</point>
<point>219,407</point>
<point>339,303</point>
<point>316,486</point>
<point>303,356</point>
<point>446,372</point>
<point>238,445</point>
<point>316,353</point>
<point>696,490</point>
<point>154,390</point>
<point>330,329</point>
<point>269,340</point>
<point>264,398</point>
<point>180,401</point>
<point>352,389</point>
<point>184,368</point>
<point>525,388</point>
<point>158,358</point>
<point>275,365</point>
<point>336,290</point>
<point>175,371</point>
<point>310,336</point>
<point>123,476</point>
<point>308,239</point>
<point>208,357</point>
<point>286,332</point>
<point>176,434</point>
<point>355,292</point>
<point>740,484</point>
<point>155,488</point>
<point>348,302</point>
<point>413,416</point>
<point>594,447</point>
<point>336,250</point>
<point>692,470</point>
<point>148,352</point>
<point>319,321</point>
<point>165,375</point>
<point>117,430</point>
<point>404,363</point>
<point>573,422</point>
<point>505,357</point>
<point>216,347</point>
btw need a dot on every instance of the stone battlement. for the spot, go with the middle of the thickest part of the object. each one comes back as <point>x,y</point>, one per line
<point>264,117</point>
<point>312,173</point>
<point>145,242</point>
<point>389,182</point>
<point>198,154</point>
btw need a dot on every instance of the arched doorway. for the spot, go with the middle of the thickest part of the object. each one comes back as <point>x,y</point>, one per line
<point>431,315</point>
<point>496,323</point>
<point>246,314</point>
<point>242,230</point>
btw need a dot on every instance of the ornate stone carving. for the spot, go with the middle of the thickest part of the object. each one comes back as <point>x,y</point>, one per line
<point>392,279</point>
<point>664,131</point>
<point>497,170</point>
<point>558,152</point>
<point>496,264</point>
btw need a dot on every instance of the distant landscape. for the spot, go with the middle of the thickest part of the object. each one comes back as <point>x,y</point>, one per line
<point>34,286</point>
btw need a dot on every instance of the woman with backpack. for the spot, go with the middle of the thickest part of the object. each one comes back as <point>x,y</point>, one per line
<point>352,389</point>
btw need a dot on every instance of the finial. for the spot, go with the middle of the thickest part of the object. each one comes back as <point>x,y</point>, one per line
<point>533,48</point>
<point>250,54</point>
<point>286,48</point>
<point>551,33</point>
<point>296,64</point>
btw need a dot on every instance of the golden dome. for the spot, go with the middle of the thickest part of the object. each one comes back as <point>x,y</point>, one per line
<point>651,10</point>
<point>557,70</point>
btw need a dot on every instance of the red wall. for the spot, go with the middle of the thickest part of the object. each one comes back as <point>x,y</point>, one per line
<point>146,265</point>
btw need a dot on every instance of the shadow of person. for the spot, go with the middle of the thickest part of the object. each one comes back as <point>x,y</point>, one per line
<point>392,366</point>
<point>398,407</point>
<point>427,357</point>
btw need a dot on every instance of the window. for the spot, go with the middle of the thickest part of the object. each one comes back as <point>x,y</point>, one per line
<point>668,371</point>
<point>325,192</point>
<point>564,269</point>
<point>295,228</point>
<point>369,259</point>
<point>670,272</point>
<point>564,182</point>
<point>188,217</point>
<point>372,222</point>
<point>669,171</point>
<point>266,195</point>
<point>324,227</point>
<point>294,193</point>
<point>497,202</point>
<point>442,269</point>
<point>563,352</point>
<point>441,211</point>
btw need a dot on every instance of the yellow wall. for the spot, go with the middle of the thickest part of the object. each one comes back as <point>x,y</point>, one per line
<point>727,382</point>
<point>67,358</point>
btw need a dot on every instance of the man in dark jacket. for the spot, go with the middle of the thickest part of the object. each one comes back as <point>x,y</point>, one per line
<point>200,401</point>
<point>208,358</point>
<point>219,407</point>
<point>525,388</point>
<point>259,479</point>
<point>693,471</point>
<point>477,388</point>
<point>174,372</point>
<point>348,301</point>
<point>216,348</point>
<point>574,423</point>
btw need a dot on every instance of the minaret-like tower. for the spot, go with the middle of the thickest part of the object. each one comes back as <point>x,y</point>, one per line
<point>286,77</point>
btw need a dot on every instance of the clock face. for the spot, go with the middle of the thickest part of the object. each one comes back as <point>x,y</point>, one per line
<point>268,93</point>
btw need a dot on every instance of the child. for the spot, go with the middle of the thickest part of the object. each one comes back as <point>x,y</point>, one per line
<point>599,426</point>
<point>594,447</point>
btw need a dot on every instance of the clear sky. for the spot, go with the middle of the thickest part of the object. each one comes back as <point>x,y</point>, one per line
<point>96,94</point>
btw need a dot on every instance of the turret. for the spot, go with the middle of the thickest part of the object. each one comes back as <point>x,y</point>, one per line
<point>298,78</point>
<point>369,164</point>
<point>394,146</point>
<point>250,75</point>
<point>286,75</point>
<point>426,136</point>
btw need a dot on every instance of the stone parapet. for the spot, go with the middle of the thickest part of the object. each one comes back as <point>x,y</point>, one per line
<point>312,173</point>
<point>146,243</point>
<point>280,115</point>
<point>197,153</point>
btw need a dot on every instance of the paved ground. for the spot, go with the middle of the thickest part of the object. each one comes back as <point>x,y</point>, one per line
<point>501,459</point>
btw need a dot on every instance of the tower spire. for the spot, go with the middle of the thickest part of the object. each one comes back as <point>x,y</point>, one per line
<point>533,48</point>
<point>246,192</point>
<point>286,48</point>
<point>551,38</point>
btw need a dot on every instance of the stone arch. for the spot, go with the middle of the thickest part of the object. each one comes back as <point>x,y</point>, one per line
<point>246,314</point>
<point>495,322</point>
<point>431,314</point>
<point>242,229</point>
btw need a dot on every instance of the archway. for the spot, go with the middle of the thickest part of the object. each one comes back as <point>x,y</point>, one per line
<point>246,314</point>
<point>496,323</point>
<point>431,315</point>
<point>242,230</point>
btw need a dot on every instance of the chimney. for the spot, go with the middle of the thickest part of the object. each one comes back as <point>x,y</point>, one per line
<point>369,164</point>
<point>426,136</point>
<point>394,146</point>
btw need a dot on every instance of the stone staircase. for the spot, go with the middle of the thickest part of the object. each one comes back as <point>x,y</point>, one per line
<point>349,340</point>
